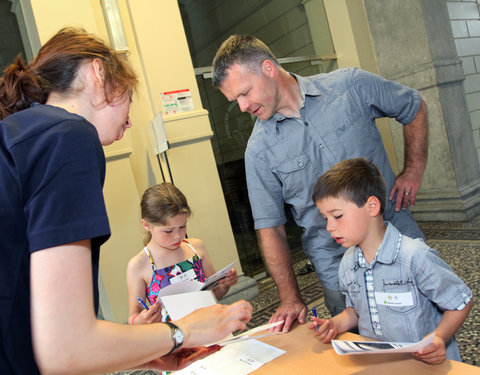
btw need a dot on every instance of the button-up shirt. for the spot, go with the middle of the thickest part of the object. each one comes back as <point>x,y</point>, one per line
<point>285,156</point>
<point>412,285</point>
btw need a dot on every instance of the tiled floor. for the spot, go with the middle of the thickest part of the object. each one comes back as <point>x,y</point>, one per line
<point>458,244</point>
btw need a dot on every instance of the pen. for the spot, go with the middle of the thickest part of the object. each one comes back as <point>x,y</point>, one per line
<point>140,301</point>
<point>314,313</point>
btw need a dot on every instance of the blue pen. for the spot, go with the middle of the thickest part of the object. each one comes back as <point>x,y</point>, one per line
<point>142,303</point>
<point>314,313</point>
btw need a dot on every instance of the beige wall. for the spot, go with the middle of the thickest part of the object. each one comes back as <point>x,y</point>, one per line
<point>159,53</point>
<point>354,48</point>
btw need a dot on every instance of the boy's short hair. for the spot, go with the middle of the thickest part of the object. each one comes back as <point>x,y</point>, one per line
<point>353,179</point>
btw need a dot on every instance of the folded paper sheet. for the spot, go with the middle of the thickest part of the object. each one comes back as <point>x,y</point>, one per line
<point>376,347</point>
<point>193,285</point>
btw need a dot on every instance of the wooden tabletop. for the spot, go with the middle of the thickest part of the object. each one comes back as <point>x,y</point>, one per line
<point>306,355</point>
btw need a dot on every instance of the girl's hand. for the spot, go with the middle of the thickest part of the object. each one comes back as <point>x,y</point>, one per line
<point>230,278</point>
<point>323,329</point>
<point>152,315</point>
<point>434,353</point>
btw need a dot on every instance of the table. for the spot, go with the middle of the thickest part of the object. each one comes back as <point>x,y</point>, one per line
<point>306,355</point>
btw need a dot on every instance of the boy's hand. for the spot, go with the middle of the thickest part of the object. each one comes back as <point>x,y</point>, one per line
<point>323,329</point>
<point>434,353</point>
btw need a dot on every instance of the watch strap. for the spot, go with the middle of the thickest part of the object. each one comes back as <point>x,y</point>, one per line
<point>173,330</point>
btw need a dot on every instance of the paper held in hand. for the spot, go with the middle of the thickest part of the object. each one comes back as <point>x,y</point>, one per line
<point>180,305</point>
<point>188,285</point>
<point>343,347</point>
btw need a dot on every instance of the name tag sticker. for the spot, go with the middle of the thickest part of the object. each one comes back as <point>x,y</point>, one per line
<point>189,275</point>
<point>394,299</point>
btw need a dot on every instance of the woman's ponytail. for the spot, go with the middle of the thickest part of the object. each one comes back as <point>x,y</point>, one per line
<point>19,88</point>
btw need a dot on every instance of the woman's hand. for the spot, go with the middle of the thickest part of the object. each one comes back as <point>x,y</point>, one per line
<point>214,323</point>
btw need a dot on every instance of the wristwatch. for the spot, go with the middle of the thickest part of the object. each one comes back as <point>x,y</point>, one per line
<point>177,336</point>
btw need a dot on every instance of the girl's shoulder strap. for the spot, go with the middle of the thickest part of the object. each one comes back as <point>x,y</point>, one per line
<point>190,246</point>
<point>149,257</point>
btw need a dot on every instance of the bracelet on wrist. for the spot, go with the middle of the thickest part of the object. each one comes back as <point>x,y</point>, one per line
<point>133,318</point>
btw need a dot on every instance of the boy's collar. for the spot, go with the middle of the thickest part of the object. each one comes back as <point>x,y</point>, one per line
<point>388,251</point>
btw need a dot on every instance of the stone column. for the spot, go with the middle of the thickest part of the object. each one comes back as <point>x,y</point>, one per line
<point>413,44</point>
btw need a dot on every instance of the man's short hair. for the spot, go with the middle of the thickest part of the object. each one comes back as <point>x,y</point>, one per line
<point>240,49</point>
<point>354,180</point>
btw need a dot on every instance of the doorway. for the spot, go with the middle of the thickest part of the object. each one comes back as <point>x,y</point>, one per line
<point>283,26</point>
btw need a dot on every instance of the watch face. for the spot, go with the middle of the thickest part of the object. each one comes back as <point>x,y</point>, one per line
<point>178,336</point>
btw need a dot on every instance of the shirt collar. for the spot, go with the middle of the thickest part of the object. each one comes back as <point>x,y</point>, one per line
<point>387,252</point>
<point>306,88</point>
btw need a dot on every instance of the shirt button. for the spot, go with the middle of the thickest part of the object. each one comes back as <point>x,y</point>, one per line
<point>300,164</point>
<point>322,146</point>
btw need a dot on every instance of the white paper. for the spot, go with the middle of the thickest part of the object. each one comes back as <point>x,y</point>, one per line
<point>211,282</point>
<point>237,359</point>
<point>180,305</point>
<point>185,286</point>
<point>375,347</point>
<point>247,334</point>
<point>394,299</point>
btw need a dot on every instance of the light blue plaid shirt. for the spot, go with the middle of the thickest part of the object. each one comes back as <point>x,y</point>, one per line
<point>369,284</point>
<point>407,267</point>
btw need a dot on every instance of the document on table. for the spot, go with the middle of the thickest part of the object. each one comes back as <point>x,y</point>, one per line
<point>376,347</point>
<point>236,359</point>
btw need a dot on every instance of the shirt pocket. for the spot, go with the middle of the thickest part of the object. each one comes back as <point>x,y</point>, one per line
<point>406,295</point>
<point>291,172</point>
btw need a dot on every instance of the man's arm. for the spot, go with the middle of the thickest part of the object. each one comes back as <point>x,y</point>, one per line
<point>277,257</point>
<point>408,182</point>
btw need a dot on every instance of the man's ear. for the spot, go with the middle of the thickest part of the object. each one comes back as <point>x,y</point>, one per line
<point>373,204</point>
<point>269,68</point>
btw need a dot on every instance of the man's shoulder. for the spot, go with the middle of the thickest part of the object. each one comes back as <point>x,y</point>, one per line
<point>331,78</point>
<point>260,136</point>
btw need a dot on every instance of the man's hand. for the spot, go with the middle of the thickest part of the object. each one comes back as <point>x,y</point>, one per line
<point>415,136</point>
<point>289,312</point>
<point>406,186</point>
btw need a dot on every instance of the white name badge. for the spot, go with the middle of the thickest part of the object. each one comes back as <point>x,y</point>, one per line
<point>394,299</point>
<point>189,275</point>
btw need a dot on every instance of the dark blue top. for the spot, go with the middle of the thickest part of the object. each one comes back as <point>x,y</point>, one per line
<point>52,169</point>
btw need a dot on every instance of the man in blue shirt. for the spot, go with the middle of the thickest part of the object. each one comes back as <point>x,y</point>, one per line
<point>304,126</point>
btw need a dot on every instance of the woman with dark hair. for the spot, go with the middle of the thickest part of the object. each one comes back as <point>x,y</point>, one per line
<point>56,114</point>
